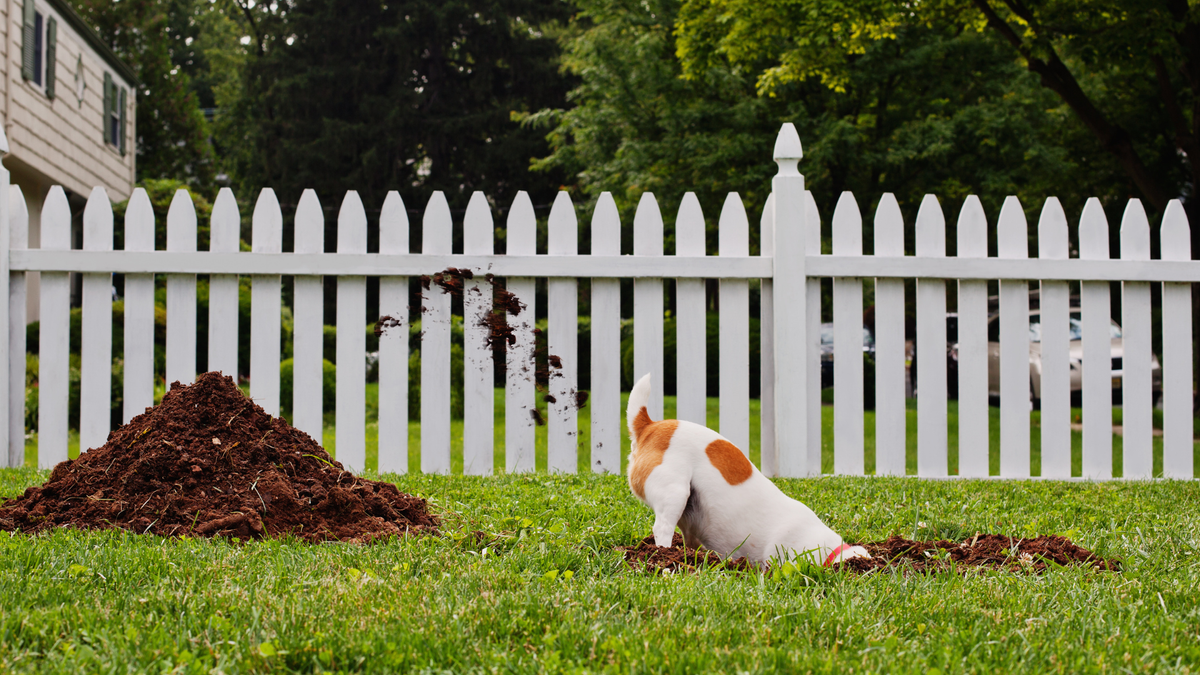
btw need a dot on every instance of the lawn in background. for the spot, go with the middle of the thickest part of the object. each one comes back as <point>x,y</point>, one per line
<point>713,415</point>
<point>543,591</point>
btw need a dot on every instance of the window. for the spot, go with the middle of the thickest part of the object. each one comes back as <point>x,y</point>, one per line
<point>39,48</point>
<point>113,122</point>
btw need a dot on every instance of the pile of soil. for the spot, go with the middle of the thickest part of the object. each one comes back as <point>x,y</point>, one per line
<point>209,462</point>
<point>995,551</point>
<point>675,558</point>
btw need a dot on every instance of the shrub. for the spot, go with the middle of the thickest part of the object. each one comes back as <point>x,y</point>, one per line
<point>328,386</point>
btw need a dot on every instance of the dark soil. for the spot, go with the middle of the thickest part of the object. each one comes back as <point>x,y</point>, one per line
<point>209,462</point>
<point>648,557</point>
<point>993,551</point>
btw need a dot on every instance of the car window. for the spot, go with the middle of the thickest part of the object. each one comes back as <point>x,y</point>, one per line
<point>1075,328</point>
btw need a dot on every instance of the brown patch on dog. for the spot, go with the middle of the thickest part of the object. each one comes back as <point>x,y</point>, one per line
<point>641,422</point>
<point>730,461</point>
<point>653,438</point>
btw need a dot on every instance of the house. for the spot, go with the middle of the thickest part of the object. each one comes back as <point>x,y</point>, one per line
<point>68,112</point>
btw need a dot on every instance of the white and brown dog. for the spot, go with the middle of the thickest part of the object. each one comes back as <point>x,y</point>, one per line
<point>694,478</point>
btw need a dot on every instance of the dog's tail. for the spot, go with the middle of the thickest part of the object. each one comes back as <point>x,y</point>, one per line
<point>636,415</point>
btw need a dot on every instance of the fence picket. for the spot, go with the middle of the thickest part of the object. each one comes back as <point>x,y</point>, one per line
<point>848,431</point>
<point>308,321</point>
<point>437,228</point>
<point>1012,241</point>
<point>351,404</point>
<point>648,304</point>
<point>734,328</point>
<point>54,335</point>
<point>1097,349</point>
<point>138,392</point>
<point>519,390</point>
<point>931,345</point>
<point>1054,309</point>
<point>972,346</point>
<point>1177,350</point>
<point>265,305</point>
<point>606,344</point>
<point>18,216</point>
<point>812,341</point>
<point>478,400</point>
<point>1137,397</point>
<point>181,293</point>
<point>225,235</point>
<point>890,415</point>
<point>690,323</point>
<point>562,437</point>
<point>393,342</point>
<point>95,369</point>
<point>769,452</point>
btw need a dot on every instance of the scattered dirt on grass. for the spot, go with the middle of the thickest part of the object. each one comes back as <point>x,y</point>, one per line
<point>648,557</point>
<point>994,551</point>
<point>209,462</point>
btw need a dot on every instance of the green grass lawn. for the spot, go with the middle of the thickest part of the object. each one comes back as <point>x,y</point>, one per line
<point>584,443</point>
<point>545,592</point>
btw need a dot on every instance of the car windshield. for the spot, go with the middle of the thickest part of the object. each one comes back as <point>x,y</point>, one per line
<point>1076,328</point>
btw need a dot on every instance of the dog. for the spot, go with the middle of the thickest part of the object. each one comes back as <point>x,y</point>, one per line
<point>692,477</point>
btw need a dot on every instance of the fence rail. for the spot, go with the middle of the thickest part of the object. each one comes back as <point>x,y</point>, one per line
<point>790,318</point>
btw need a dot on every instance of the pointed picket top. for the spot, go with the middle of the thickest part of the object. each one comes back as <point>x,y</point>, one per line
<point>788,150</point>
<point>1176,233</point>
<point>647,227</point>
<point>139,222</point>
<point>1012,230</point>
<point>689,227</point>
<point>522,226</point>
<point>98,222</point>
<point>931,228</point>
<point>972,229</point>
<point>1135,232</point>
<point>437,228</point>
<point>267,231</point>
<point>478,226</point>
<point>181,222</point>
<point>606,226</point>
<point>352,224</point>
<point>310,224</point>
<point>733,229</point>
<point>225,223</point>
<point>563,235</point>
<point>56,220</point>
<point>18,218</point>
<point>393,224</point>
<point>1052,231</point>
<point>889,227</point>
<point>766,228</point>
<point>847,226</point>
<point>812,232</point>
<point>1093,231</point>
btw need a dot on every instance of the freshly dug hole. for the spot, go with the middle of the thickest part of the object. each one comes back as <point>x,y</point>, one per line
<point>209,462</point>
<point>994,551</point>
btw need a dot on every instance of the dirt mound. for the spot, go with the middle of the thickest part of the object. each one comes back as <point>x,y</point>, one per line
<point>209,462</point>
<point>994,551</point>
<point>648,557</point>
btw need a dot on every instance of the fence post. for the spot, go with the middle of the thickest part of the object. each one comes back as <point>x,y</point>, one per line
<point>350,406</point>
<point>181,293</point>
<point>1136,386</point>
<point>54,335</point>
<point>15,455</point>
<point>1097,347</point>
<point>1012,236</point>
<point>848,427</point>
<point>18,220</point>
<point>95,376</point>
<point>1177,349</point>
<point>393,343</point>
<point>308,324</point>
<point>791,308</point>
<point>932,437</point>
<point>734,323</point>
<point>265,305</point>
<point>769,453</point>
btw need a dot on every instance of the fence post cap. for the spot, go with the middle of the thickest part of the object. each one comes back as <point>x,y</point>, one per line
<point>787,143</point>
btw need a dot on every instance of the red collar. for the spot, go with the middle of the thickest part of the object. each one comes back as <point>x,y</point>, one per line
<point>832,556</point>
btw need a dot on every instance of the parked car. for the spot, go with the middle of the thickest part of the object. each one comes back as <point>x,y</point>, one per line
<point>827,352</point>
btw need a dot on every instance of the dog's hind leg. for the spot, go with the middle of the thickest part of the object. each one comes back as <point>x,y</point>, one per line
<point>668,498</point>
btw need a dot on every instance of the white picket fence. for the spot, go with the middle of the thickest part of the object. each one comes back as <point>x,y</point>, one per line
<point>790,406</point>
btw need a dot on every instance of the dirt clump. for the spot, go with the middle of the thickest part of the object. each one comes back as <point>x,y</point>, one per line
<point>209,462</point>
<point>994,551</point>
<point>650,558</point>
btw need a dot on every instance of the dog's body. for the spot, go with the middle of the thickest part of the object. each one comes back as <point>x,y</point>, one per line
<point>692,477</point>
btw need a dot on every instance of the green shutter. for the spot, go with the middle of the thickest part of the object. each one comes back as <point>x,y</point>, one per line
<point>122,125</point>
<point>27,38</point>
<point>106,115</point>
<point>51,55</point>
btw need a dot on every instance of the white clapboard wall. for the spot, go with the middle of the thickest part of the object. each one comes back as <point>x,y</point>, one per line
<point>991,357</point>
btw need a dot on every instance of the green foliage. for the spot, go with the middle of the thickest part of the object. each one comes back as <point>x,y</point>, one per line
<point>328,386</point>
